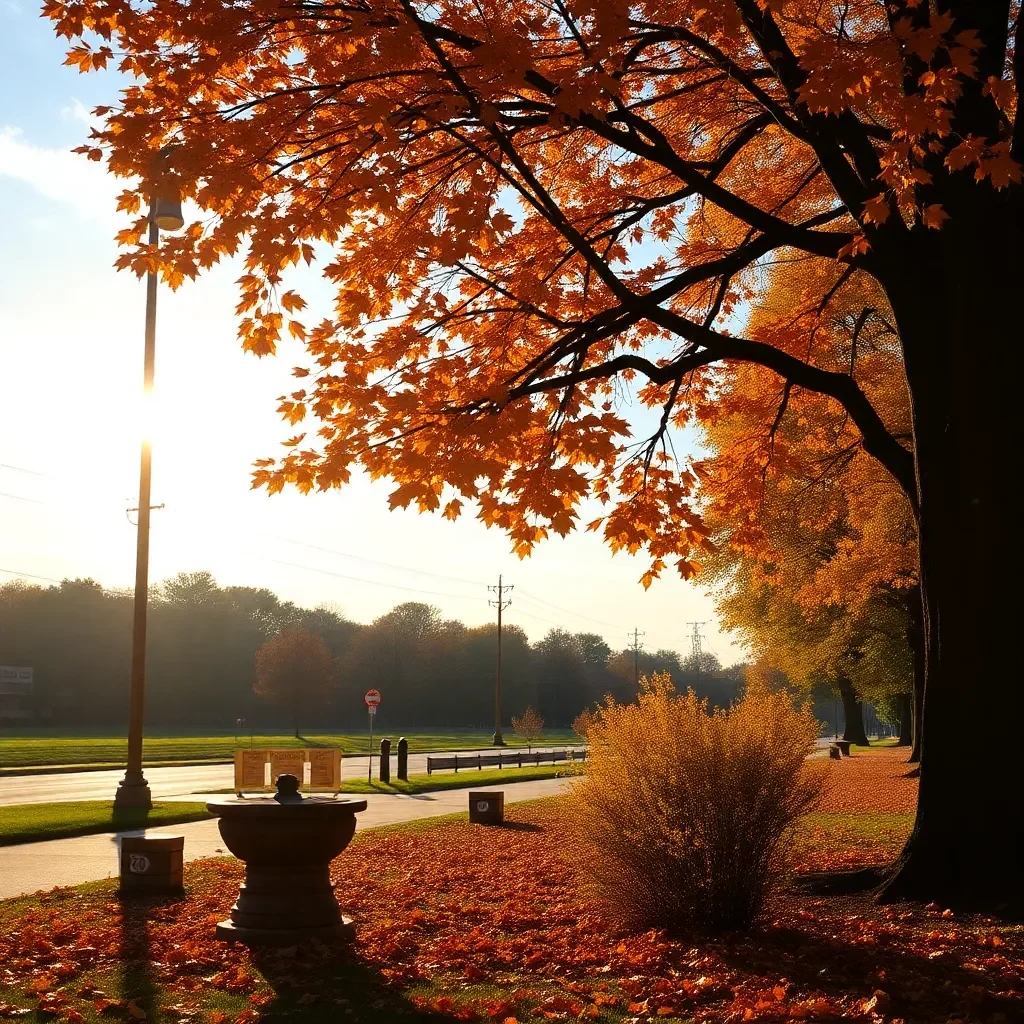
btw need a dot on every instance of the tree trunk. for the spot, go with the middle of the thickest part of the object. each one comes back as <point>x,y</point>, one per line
<point>955,298</point>
<point>905,703</point>
<point>853,711</point>
<point>917,696</point>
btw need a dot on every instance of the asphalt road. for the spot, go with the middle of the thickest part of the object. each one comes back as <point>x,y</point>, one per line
<point>168,783</point>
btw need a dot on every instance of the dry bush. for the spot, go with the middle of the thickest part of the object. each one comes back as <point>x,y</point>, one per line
<point>683,816</point>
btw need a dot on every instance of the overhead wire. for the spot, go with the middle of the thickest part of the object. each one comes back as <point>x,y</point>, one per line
<point>30,576</point>
<point>21,497</point>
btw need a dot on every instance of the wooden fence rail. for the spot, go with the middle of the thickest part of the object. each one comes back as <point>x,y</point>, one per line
<point>503,759</point>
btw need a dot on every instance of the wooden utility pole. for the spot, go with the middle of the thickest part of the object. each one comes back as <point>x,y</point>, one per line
<point>637,633</point>
<point>501,603</point>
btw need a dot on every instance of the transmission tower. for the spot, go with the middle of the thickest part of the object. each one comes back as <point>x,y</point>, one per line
<point>695,644</point>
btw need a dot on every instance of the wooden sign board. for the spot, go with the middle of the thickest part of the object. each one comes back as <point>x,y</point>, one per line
<point>251,768</point>
<point>287,762</point>
<point>324,769</point>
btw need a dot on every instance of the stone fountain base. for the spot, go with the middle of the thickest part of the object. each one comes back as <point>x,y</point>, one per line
<point>287,844</point>
<point>283,905</point>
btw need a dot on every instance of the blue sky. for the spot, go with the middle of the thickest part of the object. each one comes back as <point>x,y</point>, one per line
<point>71,334</point>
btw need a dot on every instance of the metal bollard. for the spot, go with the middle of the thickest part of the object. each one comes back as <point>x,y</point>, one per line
<point>403,759</point>
<point>385,760</point>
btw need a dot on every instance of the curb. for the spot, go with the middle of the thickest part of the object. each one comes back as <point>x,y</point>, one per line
<point>108,766</point>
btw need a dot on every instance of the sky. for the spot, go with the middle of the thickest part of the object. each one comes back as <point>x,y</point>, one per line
<point>71,345</point>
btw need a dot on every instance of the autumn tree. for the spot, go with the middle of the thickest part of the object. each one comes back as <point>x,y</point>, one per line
<point>529,726</point>
<point>582,723</point>
<point>816,550</point>
<point>294,670</point>
<point>529,211</point>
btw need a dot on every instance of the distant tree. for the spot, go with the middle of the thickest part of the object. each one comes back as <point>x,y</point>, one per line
<point>529,725</point>
<point>702,663</point>
<point>582,722</point>
<point>294,670</point>
<point>191,588</point>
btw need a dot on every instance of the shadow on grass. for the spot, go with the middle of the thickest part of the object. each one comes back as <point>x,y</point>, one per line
<point>327,983</point>
<point>138,983</point>
<point>518,826</point>
<point>842,965</point>
<point>307,742</point>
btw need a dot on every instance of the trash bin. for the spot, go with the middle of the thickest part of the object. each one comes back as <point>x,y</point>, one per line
<point>487,808</point>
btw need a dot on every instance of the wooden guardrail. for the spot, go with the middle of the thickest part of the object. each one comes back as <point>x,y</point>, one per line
<point>504,759</point>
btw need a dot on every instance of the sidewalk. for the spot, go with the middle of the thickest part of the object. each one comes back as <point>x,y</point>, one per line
<point>32,867</point>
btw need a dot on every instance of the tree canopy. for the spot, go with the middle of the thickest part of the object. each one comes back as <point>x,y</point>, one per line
<point>530,212</point>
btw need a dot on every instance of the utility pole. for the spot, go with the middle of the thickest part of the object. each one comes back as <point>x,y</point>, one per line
<point>695,645</point>
<point>501,604</point>
<point>637,633</point>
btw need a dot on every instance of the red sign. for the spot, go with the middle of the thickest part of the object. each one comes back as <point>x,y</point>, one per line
<point>372,698</point>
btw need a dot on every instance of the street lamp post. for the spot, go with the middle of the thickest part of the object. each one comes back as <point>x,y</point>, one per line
<point>133,790</point>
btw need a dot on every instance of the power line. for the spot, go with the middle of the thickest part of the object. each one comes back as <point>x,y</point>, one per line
<point>371,561</point>
<point>30,576</point>
<point>566,611</point>
<point>21,497</point>
<point>360,579</point>
<point>22,469</point>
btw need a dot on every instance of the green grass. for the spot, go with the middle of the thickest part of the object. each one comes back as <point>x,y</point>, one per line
<point>38,748</point>
<point>423,783</point>
<point>458,780</point>
<point>26,823</point>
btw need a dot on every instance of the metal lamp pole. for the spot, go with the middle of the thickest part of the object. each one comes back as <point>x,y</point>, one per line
<point>133,790</point>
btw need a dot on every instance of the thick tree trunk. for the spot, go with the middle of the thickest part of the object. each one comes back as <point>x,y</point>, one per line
<point>917,696</point>
<point>955,298</point>
<point>906,734</point>
<point>853,711</point>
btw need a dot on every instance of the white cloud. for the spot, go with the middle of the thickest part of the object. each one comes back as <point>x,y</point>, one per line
<point>60,175</point>
<point>78,111</point>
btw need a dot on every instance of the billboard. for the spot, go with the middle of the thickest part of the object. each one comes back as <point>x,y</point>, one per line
<point>15,681</point>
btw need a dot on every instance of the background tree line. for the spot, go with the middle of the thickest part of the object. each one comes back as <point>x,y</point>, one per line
<point>203,639</point>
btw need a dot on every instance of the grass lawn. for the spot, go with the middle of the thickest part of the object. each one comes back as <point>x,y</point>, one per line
<point>46,748</point>
<point>461,922</point>
<point>423,783</point>
<point>31,822</point>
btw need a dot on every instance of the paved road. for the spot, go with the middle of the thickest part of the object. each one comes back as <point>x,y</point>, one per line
<point>165,783</point>
<point>32,867</point>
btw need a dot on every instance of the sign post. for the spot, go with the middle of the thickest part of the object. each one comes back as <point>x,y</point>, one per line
<point>371,699</point>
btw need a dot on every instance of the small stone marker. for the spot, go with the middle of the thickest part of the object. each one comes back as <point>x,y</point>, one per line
<point>152,863</point>
<point>487,808</point>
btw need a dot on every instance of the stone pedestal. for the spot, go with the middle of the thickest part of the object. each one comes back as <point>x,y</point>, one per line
<point>287,843</point>
<point>152,863</point>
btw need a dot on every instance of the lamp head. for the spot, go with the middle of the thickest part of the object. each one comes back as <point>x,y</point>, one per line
<point>167,214</point>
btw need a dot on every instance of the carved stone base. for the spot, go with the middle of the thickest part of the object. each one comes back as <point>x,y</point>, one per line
<point>228,931</point>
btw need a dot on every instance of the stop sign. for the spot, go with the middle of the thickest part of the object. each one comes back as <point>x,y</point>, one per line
<point>372,698</point>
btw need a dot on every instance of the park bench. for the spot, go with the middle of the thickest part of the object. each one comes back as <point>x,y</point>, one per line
<point>839,748</point>
<point>503,759</point>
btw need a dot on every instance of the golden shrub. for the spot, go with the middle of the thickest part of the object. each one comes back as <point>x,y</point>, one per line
<point>683,816</point>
